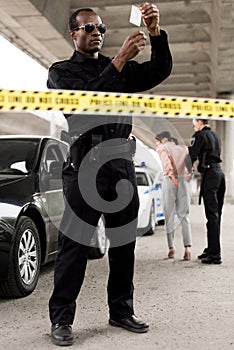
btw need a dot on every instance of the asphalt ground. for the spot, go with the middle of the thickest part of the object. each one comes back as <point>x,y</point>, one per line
<point>188,305</point>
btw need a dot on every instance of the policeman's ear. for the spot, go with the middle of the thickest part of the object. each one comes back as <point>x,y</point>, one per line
<point>72,34</point>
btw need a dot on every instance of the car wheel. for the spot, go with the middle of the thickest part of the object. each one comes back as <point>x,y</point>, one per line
<point>25,261</point>
<point>152,221</point>
<point>98,245</point>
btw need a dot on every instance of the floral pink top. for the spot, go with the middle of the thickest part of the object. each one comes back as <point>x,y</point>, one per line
<point>173,159</point>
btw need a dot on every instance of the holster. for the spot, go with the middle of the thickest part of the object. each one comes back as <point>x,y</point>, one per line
<point>81,145</point>
<point>95,147</point>
<point>201,186</point>
<point>132,141</point>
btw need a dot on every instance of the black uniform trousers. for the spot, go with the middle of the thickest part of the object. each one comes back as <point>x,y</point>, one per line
<point>213,190</point>
<point>76,229</point>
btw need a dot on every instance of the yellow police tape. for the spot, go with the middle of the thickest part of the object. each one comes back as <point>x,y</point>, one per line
<point>115,103</point>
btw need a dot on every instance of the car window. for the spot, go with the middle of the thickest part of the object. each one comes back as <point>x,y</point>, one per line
<point>52,155</point>
<point>17,156</point>
<point>51,166</point>
<point>142,179</point>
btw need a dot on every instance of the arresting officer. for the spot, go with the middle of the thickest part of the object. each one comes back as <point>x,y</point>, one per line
<point>206,148</point>
<point>99,175</point>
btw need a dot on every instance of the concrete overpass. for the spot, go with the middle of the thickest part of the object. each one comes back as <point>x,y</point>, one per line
<point>201,35</point>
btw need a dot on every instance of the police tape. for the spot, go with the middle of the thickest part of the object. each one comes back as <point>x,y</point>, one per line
<point>115,103</point>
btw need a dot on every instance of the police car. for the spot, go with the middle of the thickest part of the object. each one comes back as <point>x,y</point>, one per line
<point>149,185</point>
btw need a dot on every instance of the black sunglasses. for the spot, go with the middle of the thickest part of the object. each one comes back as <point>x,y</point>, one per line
<point>90,27</point>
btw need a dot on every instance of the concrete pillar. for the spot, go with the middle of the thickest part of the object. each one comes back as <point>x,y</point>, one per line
<point>225,129</point>
<point>229,159</point>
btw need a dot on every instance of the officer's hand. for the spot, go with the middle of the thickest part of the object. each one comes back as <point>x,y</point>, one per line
<point>132,45</point>
<point>188,177</point>
<point>150,16</point>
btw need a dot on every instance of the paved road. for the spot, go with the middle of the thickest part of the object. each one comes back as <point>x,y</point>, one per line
<point>188,305</point>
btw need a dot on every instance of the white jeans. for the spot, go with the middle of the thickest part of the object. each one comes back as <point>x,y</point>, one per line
<point>176,200</point>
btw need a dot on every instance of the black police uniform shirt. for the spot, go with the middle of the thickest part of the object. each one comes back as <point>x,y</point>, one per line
<point>206,147</point>
<point>84,73</point>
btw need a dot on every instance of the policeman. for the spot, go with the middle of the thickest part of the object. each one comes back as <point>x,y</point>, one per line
<point>206,147</point>
<point>99,176</point>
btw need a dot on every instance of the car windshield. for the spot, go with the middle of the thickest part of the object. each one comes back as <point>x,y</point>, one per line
<point>17,156</point>
<point>142,179</point>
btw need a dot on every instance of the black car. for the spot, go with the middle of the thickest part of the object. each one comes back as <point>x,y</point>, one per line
<point>31,207</point>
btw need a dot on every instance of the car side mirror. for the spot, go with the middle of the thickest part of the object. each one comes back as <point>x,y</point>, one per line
<point>64,136</point>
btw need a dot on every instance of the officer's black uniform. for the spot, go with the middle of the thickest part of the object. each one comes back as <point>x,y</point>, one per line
<point>85,73</point>
<point>206,147</point>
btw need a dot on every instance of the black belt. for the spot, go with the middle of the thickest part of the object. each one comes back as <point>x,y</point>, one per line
<point>118,149</point>
<point>98,150</point>
<point>213,165</point>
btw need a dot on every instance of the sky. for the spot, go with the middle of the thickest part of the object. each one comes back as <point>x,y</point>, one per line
<point>18,71</point>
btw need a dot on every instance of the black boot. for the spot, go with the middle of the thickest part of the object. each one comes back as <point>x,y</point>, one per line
<point>204,254</point>
<point>212,259</point>
<point>131,323</point>
<point>61,334</point>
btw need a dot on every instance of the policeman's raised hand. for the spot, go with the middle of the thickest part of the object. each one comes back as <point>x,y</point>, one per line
<point>150,16</point>
<point>132,45</point>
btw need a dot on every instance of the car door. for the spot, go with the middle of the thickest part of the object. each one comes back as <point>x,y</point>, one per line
<point>51,165</point>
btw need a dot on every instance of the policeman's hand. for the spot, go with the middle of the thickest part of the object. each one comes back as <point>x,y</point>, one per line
<point>188,177</point>
<point>150,16</point>
<point>132,45</point>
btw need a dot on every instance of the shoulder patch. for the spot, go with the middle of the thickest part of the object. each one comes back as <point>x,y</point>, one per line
<point>192,141</point>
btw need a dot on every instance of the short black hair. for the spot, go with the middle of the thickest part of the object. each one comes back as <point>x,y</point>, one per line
<point>72,19</point>
<point>205,121</point>
<point>174,139</point>
<point>162,135</point>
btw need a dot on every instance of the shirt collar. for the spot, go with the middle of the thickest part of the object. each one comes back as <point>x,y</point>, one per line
<point>206,128</point>
<point>78,57</point>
